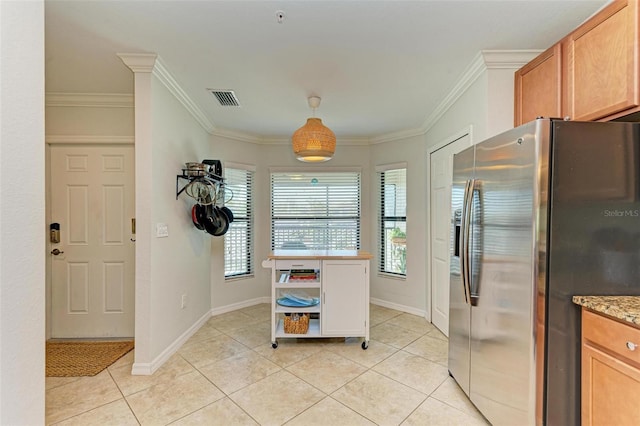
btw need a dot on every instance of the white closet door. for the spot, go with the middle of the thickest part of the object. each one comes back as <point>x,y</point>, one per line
<point>440,229</point>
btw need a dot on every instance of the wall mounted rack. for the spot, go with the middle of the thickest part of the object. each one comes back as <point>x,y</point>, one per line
<point>190,176</point>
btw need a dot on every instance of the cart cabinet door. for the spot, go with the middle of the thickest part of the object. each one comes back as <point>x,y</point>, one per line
<point>345,286</point>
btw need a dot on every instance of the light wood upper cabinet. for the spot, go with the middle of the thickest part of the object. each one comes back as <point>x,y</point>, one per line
<point>537,87</point>
<point>591,74</point>
<point>610,371</point>
<point>601,57</point>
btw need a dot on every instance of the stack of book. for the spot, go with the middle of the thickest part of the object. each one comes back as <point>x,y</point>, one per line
<point>302,275</point>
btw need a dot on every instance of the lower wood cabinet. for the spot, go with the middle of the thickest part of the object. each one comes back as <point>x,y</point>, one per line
<point>610,371</point>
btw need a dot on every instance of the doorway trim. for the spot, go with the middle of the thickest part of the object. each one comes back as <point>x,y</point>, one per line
<point>70,140</point>
<point>468,130</point>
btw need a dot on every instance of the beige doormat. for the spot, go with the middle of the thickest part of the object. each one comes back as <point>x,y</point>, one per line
<point>74,359</point>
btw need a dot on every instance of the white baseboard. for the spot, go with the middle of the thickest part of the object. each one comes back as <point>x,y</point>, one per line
<point>398,307</point>
<point>148,368</point>
<point>240,305</point>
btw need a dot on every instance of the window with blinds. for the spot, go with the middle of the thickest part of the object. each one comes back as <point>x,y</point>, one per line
<point>315,210</point>
<point>238,241</point>
<point>393,221</point>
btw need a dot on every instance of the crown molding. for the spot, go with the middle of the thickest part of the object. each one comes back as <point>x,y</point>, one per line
<point>396,136</point>
<point>473,71</point>
<point>139,62</point>
<point>340,141</point>
<point>469,76</point>
<point>88,139</point>
<point>354,141</point>
<point>237,136</point>
<point>151,62</point>
<point>508,59</point>
<point>167,79</point>
<point>91,100</point>
<point>276,141</point>
<point>484,60</point>
<point>279,140</point>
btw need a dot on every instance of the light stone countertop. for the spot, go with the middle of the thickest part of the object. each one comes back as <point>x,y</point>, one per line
<point>625,308</point>
<point>320,254</point>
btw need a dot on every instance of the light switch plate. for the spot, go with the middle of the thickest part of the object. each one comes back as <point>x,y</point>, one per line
<point>162,230</point>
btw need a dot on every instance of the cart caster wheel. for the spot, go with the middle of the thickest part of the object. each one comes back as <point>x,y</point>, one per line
<point>274,345</point>
<point>365,345</point>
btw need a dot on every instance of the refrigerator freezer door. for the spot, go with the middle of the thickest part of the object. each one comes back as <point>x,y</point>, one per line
<point>594,242</point>
<point>459,308</point>
<point>502,378</point>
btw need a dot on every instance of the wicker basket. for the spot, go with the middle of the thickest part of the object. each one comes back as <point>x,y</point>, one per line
<point>296,324</point>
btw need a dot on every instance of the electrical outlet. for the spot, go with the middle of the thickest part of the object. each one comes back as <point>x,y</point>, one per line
<point>183,303</point>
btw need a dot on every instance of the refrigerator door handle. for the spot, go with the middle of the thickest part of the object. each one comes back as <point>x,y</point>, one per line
<point>464,237</point>
<point>473,291</point>
<point>463,240</point>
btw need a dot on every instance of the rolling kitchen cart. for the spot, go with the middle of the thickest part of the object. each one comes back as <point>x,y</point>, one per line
<point>319,293</point>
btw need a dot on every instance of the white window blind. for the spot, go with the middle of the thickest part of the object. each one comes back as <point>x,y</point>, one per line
<point>393,221</point>
<point>238,241</point>
<point>315,210</point>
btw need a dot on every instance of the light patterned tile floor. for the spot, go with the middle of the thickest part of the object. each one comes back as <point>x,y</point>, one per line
<point>229,375</point>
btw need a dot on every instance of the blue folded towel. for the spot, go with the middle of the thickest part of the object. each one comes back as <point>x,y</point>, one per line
<point>294,301</point>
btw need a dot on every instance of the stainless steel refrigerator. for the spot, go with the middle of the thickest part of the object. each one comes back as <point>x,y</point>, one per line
<point>540,213</point>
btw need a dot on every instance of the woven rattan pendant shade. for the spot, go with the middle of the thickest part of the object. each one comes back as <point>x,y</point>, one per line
<point>314,142</point>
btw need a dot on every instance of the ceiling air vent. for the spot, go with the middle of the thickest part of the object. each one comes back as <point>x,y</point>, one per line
<point>225,97</point>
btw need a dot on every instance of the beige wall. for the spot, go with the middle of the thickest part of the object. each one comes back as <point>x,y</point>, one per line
<point>22,227</point>
<point>484,104</point>
<point>404,294</point>
<point>87,122</point>
<point>180,263</point>
<point>227,295</point>
<point>191,262</point>
<point>475,107</point>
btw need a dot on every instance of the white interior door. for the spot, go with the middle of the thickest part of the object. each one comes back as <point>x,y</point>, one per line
<point>93,276</point>
<point>440,229</point>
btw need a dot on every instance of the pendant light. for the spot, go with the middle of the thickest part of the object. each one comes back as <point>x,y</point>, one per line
<point>314,142</point>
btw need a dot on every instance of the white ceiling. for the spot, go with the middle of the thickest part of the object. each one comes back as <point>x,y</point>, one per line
<point>381,67</point>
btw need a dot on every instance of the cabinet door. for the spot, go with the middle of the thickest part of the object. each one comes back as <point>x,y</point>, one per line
<point>601,59</point>
<point>610,389</point>
<point>537,87</point>
<point>344,301</point>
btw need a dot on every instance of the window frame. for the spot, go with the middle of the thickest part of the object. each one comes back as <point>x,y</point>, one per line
<point>308,172</point>
<point>383,219</point>
<point>248,220</point>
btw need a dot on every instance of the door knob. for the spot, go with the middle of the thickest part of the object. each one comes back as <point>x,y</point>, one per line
<point>56,252</point>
